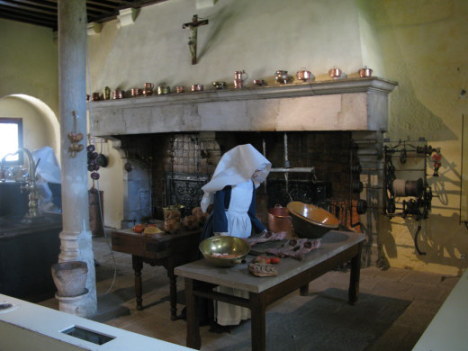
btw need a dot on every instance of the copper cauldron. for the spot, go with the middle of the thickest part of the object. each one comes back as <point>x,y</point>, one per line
<point>279,220</point>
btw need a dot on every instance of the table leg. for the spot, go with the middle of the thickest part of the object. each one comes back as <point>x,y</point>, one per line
<point>172,289</point>
<point>137,263</point>
<point>353,291</point>
<point>258,325</point>
<point>193,327</point>
<point>304,290</point>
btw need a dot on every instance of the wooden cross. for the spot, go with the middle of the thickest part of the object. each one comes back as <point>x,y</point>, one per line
<point>192,43</point>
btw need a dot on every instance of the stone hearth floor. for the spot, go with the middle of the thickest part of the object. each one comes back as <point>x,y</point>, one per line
<point>394,309</point>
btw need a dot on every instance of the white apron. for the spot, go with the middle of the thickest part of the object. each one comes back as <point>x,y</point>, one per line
<point>239,225</point>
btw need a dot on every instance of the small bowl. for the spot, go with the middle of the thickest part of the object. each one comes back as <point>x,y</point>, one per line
<point>224,251</point>
<point>259,82</point>
<point>219,85</point>
<point>163,90</point>
<point>310,221</point>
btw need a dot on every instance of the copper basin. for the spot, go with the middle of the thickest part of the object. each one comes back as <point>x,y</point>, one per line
<point>311,221</point>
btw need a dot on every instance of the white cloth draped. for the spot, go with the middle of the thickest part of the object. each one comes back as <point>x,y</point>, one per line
<point>236,166</point>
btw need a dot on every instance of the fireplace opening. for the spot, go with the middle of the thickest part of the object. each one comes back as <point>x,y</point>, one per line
<point>314,167</point>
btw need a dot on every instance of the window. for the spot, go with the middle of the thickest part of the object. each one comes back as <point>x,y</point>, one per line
<point>11,139</point>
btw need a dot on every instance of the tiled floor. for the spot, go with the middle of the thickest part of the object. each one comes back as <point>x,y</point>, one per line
<point>394,308</point>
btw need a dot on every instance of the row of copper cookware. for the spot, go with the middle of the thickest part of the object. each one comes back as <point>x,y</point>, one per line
<point>281,77</point>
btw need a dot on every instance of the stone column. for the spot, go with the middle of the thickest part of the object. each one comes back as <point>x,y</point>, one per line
<point>76,238</point>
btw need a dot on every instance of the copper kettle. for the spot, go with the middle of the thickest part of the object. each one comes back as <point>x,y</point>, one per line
<point>279,220</point>
<point>239,75</point>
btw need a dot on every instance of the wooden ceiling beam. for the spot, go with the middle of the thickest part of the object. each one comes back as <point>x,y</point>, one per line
<point>25,8</point>
<point>20,12</point>
<point>27,18</point>
<point>102,4</point>
<point>38,4</point>
<point>44,12</point>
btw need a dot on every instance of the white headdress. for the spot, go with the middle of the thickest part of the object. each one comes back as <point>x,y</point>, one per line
<point>235,166</point>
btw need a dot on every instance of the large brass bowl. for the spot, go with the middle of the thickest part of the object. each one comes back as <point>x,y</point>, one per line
<point>224,251</point>
<point>310,221</point>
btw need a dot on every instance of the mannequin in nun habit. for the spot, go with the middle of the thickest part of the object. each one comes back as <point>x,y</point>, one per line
<point>231,190</point>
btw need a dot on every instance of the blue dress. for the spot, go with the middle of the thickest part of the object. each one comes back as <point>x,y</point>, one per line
<point>231,206</point>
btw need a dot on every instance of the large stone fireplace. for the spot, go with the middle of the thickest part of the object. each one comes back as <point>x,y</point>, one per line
<point>323,139</point>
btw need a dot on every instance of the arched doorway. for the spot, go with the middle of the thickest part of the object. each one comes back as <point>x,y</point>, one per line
<point>40,124</point>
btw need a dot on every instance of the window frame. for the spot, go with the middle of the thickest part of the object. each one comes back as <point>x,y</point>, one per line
<point>19,122</point>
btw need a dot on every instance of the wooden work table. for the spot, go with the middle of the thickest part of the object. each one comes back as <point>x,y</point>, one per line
<point>201,277</point>
<point>168,250</point>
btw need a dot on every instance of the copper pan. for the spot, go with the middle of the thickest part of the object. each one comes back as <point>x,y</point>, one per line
<point>279,220</point>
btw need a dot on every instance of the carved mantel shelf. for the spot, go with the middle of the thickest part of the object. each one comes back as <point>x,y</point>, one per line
<point>339,105</point>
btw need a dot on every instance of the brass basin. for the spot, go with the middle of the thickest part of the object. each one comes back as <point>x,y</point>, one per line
<point>224,251</point>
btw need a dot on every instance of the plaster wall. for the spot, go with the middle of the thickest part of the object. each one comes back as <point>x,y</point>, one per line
<point>28,63</point>
<point>424,48</point>
<point>259,36</point>
<point>28,82</point>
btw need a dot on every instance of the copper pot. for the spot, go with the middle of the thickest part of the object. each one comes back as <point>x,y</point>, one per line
<point>304,75</point>
<point>117,94</point>
<point>148,89</point>
<point>136,92</point>
<point>96,97</point>
<point>197,87</point>
<point>240,75</point>
<point>179,89</point>
<point>259,82</point>
<point>365,72</point>
<point>335,73</point>
<point>238,83</point>
<point>279,220</point>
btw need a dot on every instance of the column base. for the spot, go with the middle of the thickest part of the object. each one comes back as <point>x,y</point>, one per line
<point>72,304</point>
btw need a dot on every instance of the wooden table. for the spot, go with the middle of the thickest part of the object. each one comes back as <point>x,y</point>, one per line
<point>168,250</point>
<point>201,277</point>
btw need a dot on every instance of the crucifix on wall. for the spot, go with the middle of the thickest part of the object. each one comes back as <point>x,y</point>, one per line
<point>192,43</point>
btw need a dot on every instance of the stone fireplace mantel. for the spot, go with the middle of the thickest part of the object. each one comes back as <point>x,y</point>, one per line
<point>359,104</point>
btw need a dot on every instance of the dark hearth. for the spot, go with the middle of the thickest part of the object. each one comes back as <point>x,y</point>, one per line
<point>180,164</point>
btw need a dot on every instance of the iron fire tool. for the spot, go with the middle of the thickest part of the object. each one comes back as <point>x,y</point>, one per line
<point>419,192</point>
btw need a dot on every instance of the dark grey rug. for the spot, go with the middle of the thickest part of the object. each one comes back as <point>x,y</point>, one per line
<point>322,322</point>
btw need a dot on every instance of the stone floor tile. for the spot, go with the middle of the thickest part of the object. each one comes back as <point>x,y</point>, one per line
<point>428,292</point>
<point>396,338</point>
<point>425,278</point>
